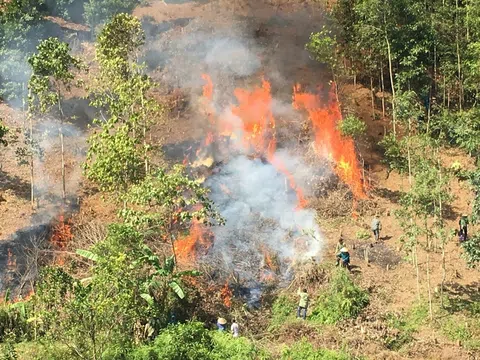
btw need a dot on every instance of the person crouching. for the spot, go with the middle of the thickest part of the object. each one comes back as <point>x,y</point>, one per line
<point>343,258</point>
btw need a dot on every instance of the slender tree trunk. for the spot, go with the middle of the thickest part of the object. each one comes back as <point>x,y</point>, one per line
<point>373,97</point>
<point>62,147</point>
<point>430,308</point>
<point>32,178</point>
<point>383,90</point>
<point>459,64</point>
<point>417,270</point>
<point>390,70</point>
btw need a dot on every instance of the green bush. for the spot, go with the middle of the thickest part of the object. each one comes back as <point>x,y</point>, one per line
<point>283,309</point>
<point>303,350</point>
<point>179,342</point>
<point>406,324</point>
<point>227,347</point>
<point>471,251</point>
<point>352,126</point>
<point>13,321</point>
<point>191,341</point>
<point>342,300</point>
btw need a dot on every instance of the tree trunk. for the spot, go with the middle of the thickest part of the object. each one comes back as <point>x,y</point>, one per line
<point>373,97</point>
<point>430,308</point>
<point>382,86</point>
<point>390,70</point>
<point>32,179</point>
<point>459,65</point>
<point>62,147</point>
<point>417,270</point>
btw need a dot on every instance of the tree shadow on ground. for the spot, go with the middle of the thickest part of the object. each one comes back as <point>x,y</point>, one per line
<point>463,297</point>
<point>391,195</point>
<point>17,185</point>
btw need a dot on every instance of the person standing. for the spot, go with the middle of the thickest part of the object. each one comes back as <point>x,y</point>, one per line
<point>463,224</point>
<point>235,329</point>
<point>302,304</point>
<point>376,227</point>
<point>340,244</point>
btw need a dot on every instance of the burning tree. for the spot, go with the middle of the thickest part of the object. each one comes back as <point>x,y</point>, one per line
<point>166,203</point>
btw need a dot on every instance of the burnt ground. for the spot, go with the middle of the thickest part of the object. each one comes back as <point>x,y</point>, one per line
<point>281,28</point>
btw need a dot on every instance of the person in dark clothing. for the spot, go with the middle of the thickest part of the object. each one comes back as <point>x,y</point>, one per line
<point>463,224</point>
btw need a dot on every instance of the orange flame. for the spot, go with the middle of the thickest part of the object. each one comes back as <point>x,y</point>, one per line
<point>61,236</point>
<point>328,140</point>
<point>226,294</point>
<point>254,109</point>
<point>186,248</point>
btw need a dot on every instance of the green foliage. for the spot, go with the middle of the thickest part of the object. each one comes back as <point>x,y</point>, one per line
<point>51,66</point>
<point>165,198</point>
<point>303,350</point>
<point>464,330</point>
<point>192,341</point>
<point>119,40</point>
<point>406,325</point>
<point>352,126</point>
<point>322,46</point>
<point>394,153</point>
<point>283,310</point>
<point>342,300</point>
<point>119,152</point>
<point>362,235</point>
<point>113,159</point>
<point>107,306</point>
<point>3,134</point>
<point>14,325</point>
<point>471,250</point>
<point>59,7</point>
<point>98,11</point>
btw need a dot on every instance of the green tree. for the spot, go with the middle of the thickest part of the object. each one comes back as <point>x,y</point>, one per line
<point>98,11</point>
<point>3,134</point>
<point>52,68</point>
<point>119,147</point>
<point>167,203</point>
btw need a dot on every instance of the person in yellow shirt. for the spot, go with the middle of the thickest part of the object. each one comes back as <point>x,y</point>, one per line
<point>302,304</point>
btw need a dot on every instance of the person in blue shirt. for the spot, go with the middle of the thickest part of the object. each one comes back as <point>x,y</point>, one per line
<point>343,258</point>
<point>221,322</point>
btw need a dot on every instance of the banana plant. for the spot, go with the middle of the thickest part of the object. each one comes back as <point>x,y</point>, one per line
<point>164,270</point>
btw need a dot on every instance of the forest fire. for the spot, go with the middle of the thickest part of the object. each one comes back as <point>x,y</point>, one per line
<point>61,236</point>
<point>328,140</point>
<point>226,293</point>
<point>188,248</point>
<point>268,228</point>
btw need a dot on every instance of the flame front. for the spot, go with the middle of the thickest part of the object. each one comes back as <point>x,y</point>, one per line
<point>328,140</point>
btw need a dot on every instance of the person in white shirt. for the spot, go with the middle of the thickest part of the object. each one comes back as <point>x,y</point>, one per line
<point>235,329</point>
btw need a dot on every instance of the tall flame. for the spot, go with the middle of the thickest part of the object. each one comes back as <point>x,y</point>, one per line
<point>186,248</point>
<point>254,109</point>
<point>328,140</point>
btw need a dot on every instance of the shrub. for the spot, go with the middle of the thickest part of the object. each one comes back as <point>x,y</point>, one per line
<point>352,126</point>
<point>303,350</point>
<point>227,347</point>
<point>406,324</point>
<point>13,321</point>
<point>189,341</point>
<point>471,252</point>
<point>343,299</point>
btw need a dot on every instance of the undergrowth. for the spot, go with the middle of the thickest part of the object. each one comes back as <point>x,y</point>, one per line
<point>343,299</point>
<point>283,311</point>
<point>406,325</point>
<point>303,350</point>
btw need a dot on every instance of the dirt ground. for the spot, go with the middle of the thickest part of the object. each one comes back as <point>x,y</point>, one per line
<point>274,23</point>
